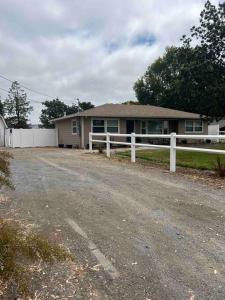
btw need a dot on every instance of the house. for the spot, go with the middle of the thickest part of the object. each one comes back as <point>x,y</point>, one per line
<point>221,124</point>
<point>73,130</point>
<point>3,127</point>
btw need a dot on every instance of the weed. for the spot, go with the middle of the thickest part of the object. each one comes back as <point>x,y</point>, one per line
<point>19,249</point>
<point>220,167</point>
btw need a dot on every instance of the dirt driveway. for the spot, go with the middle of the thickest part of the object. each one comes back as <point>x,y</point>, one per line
<point>153,235</point>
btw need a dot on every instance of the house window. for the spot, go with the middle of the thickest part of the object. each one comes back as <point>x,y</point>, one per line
<point>154,127</point>
<point>98,126</point>
<point>101,126</point>
<point>112,126</point>
<point>74,127</point>
<point>193,126</point>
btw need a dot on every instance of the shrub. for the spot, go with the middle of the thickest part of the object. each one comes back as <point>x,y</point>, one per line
<point>220,168</point>
<point>5,172</point>
<point>100,148</point>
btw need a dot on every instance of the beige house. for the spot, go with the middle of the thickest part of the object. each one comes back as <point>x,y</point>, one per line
<point>73,130</point>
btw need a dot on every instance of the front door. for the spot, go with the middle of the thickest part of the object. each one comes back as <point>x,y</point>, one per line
<point>174,126</point>
<point>130,128</point>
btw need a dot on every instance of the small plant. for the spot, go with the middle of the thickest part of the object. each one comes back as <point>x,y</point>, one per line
<point>5,172</point>
<point>220,168</point>
<point>100,149</point>
<point>18,250</point>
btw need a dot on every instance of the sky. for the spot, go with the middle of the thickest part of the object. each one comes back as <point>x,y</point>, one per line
<point>93,50</point>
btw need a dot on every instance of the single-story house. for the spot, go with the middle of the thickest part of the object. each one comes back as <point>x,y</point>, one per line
<point>73,130</point>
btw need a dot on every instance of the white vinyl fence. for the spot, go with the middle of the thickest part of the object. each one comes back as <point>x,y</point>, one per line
<point>23,138</point>
<point>173,143</point>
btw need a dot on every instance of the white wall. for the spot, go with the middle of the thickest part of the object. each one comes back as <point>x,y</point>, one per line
<point>2,133</point>
<point>213,129</point>
<point>23,138</point>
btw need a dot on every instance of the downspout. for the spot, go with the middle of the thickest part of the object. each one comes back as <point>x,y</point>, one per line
<point>82,132</point>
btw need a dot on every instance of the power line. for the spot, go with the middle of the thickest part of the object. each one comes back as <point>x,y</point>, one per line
<point>27,98</point>
<point>27,88</point>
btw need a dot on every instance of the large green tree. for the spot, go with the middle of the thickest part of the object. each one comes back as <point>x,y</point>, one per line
<point>56,108</point>
<point>190,77</point>
<point>17,107</point>
<point>53,109</point>
<point>210,33</point>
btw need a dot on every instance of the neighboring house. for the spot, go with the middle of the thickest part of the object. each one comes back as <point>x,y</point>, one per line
<point>221,124</point>
<point>3,126</point>
<point>73,130</point>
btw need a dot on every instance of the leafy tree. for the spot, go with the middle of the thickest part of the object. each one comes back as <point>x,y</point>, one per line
<point>17,107</point>
<point>80,106</point>
<point>53,109</point>
<point>190,78</point>
<point>211,32</point>
<point>56,109</point>
<point>129,102</point>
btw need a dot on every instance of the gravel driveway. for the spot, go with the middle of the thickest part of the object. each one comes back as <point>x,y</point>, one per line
<point>152,234</point>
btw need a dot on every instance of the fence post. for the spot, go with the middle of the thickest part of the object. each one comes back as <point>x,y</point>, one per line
<point>107,144</point>
<point>90,142</point>
<point>173,152</point>
<point>133,141</point>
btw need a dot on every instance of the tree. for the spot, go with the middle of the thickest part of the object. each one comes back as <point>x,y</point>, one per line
<point>80,106</point>
<point>16,107</point>
<point>190,78</point>
<point>56,109</point>
<point>131,102</point>
<point>210,34</point>
<point>53,109</point>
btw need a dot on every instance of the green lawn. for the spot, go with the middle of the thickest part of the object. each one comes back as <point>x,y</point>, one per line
<point>188,159</point>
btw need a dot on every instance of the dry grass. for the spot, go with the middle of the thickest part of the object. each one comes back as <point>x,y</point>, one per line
<point>20,249</point>
<point>5,172</point>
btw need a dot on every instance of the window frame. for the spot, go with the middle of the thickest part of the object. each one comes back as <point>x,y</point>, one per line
<point>146,126</point>
<point>105,124</point>
<point>72,125</point>
<point>194,126</point>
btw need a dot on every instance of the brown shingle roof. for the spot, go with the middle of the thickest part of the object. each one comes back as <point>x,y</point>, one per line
<point>133,111</point>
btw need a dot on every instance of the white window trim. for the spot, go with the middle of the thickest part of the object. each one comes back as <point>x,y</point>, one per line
<point>194,131</point>
<point>146,126</point>
<point>105,123</point>
<point>74,126</point>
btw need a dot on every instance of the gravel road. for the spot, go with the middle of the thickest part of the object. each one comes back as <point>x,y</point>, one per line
<point>152,235</point>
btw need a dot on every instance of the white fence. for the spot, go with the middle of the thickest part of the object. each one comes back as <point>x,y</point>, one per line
<point>173,143</point>
<point>23,138</point>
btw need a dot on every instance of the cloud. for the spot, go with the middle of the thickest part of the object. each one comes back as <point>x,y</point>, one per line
<point>91,49</point>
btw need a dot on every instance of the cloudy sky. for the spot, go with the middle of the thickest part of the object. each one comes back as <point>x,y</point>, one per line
<point>90,49</point>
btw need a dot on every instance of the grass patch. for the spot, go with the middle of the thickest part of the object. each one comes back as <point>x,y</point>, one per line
<point>194,160</point>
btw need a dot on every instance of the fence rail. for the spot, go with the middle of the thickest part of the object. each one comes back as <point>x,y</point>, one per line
<point>172,138</point>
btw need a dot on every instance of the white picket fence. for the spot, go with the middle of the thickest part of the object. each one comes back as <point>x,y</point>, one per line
<point>172,146</point>
<point>23,138</point>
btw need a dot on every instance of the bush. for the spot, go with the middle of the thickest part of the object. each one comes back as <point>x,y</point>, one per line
<point>5,172</point>
<point>220,168</point>
<point>100,148</point>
